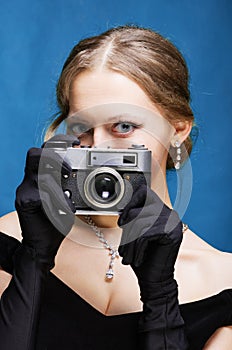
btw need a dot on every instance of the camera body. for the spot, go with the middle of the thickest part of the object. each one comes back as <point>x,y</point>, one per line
<point>104,179</point>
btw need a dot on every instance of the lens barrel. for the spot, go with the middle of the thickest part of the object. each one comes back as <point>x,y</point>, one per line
<point>104,188</point>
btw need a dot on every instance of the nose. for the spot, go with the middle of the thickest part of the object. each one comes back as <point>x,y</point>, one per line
<point>101,137</point>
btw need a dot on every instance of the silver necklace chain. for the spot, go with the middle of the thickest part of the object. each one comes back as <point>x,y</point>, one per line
<point>112,252</point>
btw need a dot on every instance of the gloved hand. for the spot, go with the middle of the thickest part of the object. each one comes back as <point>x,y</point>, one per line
<point>151,237</point>
<point>46,216</point>
<point>45,213</point>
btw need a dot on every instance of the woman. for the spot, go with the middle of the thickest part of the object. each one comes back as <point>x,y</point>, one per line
<point>126,86</point>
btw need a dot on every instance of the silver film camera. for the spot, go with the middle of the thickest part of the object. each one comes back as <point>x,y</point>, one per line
<point>103,179</point>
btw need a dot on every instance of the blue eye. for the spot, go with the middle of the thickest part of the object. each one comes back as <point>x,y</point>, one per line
<point>78,129</point>
<point>124,127</point>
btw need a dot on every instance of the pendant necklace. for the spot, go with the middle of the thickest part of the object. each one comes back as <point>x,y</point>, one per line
<point>112,252</point>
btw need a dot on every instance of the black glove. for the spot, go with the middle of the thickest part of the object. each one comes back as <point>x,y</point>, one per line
<point>45,218</point>
<point>45,213</point>
<point>151,237</point>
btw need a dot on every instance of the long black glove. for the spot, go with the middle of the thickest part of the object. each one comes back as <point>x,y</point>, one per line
<point>45,216</point>
<point>151,237</point>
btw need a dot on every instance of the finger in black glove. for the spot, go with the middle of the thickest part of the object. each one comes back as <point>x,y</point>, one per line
<point>151,237</point>
<point>45,213</point>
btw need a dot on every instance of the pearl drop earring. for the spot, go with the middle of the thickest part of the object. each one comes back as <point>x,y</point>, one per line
<point>178,154</point>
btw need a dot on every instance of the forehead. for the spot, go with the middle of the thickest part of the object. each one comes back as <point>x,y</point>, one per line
<point>98,87</point>
<point>101,97</point>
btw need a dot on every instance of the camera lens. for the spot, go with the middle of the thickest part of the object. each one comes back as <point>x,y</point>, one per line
<point>104,188</point>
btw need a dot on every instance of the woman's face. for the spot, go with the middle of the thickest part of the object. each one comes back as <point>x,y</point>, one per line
<point>107,109</point>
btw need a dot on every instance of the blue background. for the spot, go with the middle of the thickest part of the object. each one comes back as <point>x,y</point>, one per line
<point>36,37</point>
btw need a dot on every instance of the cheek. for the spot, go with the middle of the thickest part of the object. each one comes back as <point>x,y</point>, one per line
<point>158,168</point>
<point>159,151</point>
<point>159,160</point>
<point>86,140</point>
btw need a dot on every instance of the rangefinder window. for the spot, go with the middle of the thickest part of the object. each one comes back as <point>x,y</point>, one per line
<point>129,159</point>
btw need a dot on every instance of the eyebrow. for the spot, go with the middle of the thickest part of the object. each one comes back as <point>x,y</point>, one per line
<point>123,115</point>
<point>114,118</point>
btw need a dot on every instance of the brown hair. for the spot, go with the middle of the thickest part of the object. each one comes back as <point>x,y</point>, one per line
<point>142,55</point>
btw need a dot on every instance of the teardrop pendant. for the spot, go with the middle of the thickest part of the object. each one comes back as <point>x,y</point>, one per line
<point>109,274</point>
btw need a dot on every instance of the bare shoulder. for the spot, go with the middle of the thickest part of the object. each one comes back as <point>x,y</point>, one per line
<point>210,256</point>
<point>9,224</point>
<point>221,339</point>
<point>201,269</point>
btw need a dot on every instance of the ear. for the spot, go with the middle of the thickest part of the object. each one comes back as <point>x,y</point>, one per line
<point>183,129</point>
